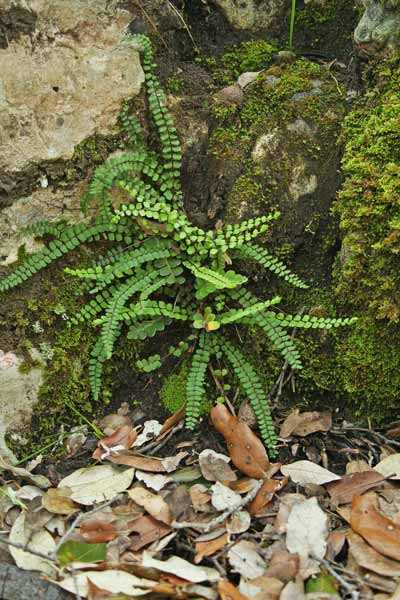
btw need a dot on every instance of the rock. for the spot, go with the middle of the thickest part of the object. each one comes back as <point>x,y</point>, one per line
<point>232,94</point>
<point>254,14</point>
<point>379,28</point>
<point>18,396</point>
<point>62,82</point>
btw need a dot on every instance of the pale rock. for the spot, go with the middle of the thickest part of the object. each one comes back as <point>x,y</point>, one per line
<point>254,14</point>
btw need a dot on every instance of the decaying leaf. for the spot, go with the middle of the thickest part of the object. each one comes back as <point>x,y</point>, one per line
<point>239,522</point>
<point>209,548</point>
<point>389,466</point>
<point>200,498</point>
<point>261,588</point>
<point>343,490</point>
<point>96,531</point>
<point>147,530</point>
<point>294,590</point>
<point>154,481</point>
<point>58,501</point>
<point>368,558</point>
<point>283,565</point>
<point>144,463</point>
<point>151,429</point>
<point>284,510</point>
<point>227,591</point>
<point>304,472</point>
<point>223,497</point>
<point>152,503</point>
<point>181,568</point>
<point>245,559</point>
<point>38,480</point>
<point>246,449</point>
<point>305,423</point>
<point>265,495</point>
<point>41,542</point>
<point>85,552</point>
<point>97,484</point>
<point>215,467</point>
<point>113,581</point>
<point>122,439</point>
<point>379,531</point>
<point>173,420</point>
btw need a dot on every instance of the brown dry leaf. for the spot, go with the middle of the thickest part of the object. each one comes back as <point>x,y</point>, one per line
<point>389,466</point>
<point>283,566</point>
<point>152,503</point>
<point>171,463</point>
<point>368,558</point>
<point>304,424</point>
<point>294,590</point>
<point>215,467</point>
<point>357,466</point>
<point>246,449</point>
<point>209,548</point>
<point>336,541</point>
<point>227,591</point>
<point>144,463</point>
<point>261,588</point>
<point>379,531</point>
<point>147,530</point>
<point>97,531</point>
<point>343,491</point>
<point>96,593</point>
<point>201,499</point>
<point>58,501</point>
<point>120,440</point>
<point>265,495</point>
<point>173,420</point>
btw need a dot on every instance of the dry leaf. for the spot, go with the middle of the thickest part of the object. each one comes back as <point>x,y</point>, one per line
<point>245,559</point>
<point>209,548</point>
<point>214,466</point>
<point>379,531</point>
<point>111,423</point>
<point>97,484</point>
<point>38,480</point>
<point>284,510</point>
<point>171,463</point>
<point>261,588</point>
<point>173,420</point>
<point>144,463</point>
<point>304,472</point>
<point>224,498</point>
<point>151,429</point>
<point>336,541</point>
<point>227,591</point>
<point>389,466</point>
<point>153,504</point>
<point>40,541</point>
<point>343,491</point>
<point>155,482</point>
<point>200,498</point>
<point>147,530</point>
<point>181,568</point>
<point>120,440</point>
<point>283,566</point>
<point>113,581</point>
<point>239,522</point>
<point>265,495</point>
<point>304,424</point>
<point>97,531</point>
<point>294,590</point>
<point>306,533</point>
<point>58,501</point>
<point>368,558</point>
<point>246,449</point>
<point>357,466</point>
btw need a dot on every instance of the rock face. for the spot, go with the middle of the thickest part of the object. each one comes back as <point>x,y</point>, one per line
<point>63,77</point>
<point>254,14</point>
<point>379,28</point>
<point>18,396</point>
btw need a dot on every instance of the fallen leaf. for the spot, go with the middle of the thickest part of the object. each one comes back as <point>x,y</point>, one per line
<point>323,586</point>
<point>173,420</point>
<point>58,501</point>
<point>265,495</point>
<point>38,480</point>
<point>151,429</point>
<point>41,541</point>
<point>200,498</point>
<point>379,531</point>
<point>357,466</point>
<point>171,462</point>
<point>97,484</point>
<point>72,551</point>
<point>122,439</point>
<point>224,498</point>
<point>144,463</point>
<point>285,507</point>
<point>74,442</point>
<point>147,530</point>
<point>368,558</point>
<point>304,472</point>
<point>227,591</point>
<point>214,466</point>
<point>245,559</point>
<point>97,531</point>
<point>239,522</point>
<point>283,566</point>
<point>155,482</point>
<point>113,581</point>
<point>186,475</point>
<point>294,590</point>
<point>152,503</point>
<point>111,423</point>
<point>261,588</point>
<point>209,548</point>
<point>245,448</point>
<point>304,424</point>
<point>303,539</point>
<point>181,568</point>
<point>178,500</point>
<point>336,541</point>
<point>389,466</point>
<point>343,490</point>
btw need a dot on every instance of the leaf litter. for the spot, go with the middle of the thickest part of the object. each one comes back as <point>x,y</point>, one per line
<point>153,515</point>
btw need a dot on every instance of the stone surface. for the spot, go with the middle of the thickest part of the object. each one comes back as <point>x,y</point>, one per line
<point>379,27</point>
<point>63,81</point>
<point>254,14</point>
<point>18,396</point>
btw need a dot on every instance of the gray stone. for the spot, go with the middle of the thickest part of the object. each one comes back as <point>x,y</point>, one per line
<point>254,14</point>
<point>379,28</point>
<point>65,81</point>
<point>18,396</point>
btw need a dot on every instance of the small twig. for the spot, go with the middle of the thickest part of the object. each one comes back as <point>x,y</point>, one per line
<point>355,594</point>
<point>153,447</point>
<point>206,527</point>
<point>182,20</point>
<point>81,517</point>
<point>26,548</point>
<point>380,436</point>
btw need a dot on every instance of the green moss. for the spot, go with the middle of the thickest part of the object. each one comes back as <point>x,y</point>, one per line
<point>248,56</point>
<point>173,392</point>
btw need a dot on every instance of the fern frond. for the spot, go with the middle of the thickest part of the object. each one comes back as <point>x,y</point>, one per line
<point>220,280</point>
<point>270,262</point>
<point>96,364</point>
<point>157,308</point>
<point>133,129</point>
<point>195,381</point>
<point>141,330</point>
<point>235,314</point>
<point>252,387</point>
<point>309,322</point>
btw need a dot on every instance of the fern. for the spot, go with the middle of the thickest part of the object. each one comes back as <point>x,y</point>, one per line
<point>157,254</point>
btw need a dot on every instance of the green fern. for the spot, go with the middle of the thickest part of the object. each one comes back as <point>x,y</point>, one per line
<point>157,254</point>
